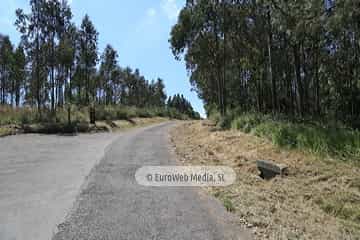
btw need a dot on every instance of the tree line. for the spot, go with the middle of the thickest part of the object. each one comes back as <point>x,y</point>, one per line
<point>57,63</point>
<point>298,58</point>
<point>180,103</point>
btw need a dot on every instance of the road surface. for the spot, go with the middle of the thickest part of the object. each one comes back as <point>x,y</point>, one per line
<point>40,177</point>
<point>110,204</point>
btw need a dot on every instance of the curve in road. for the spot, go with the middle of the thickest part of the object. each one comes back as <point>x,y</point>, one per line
<point>113,206</point>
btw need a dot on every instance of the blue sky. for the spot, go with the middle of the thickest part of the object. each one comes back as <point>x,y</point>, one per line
<point>139,30</point>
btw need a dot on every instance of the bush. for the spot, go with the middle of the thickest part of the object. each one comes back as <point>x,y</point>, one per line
<point>225,122</point>
<point>175,114</point>
<point>144,113</point>
<point>284,135</point>
<point>110,113</point>
<point>246,122</point>
<point>214,115</point>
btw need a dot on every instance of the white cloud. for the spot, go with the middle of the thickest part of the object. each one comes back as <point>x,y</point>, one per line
<point>170,8</point>
<point>151,12</point>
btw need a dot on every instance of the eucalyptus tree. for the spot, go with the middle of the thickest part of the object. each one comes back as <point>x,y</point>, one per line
<point>6,62</point>
<point>47,36</point>
<point>66,55</point>
<point>180,103</point>
<point>51,15</point>
<point>56,60</point>
<point>18,75</point>
<point>197,36</point>
<point>108,74</point>
<point>88,56</point>
<point>159,93</point>
<point>299,58</point>
<point>33,28</point>
<point>65,49</point>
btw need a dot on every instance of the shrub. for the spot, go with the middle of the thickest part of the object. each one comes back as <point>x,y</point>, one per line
<point>144,113</point>
<point>124,113</point>
<point>246,122</point>
<point>284,135</point>
<point>226,121</point>
<point>175,114</point>
<point>215,116</point>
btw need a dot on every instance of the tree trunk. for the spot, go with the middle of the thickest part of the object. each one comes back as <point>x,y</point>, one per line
<point>298,79</point>
<point>317,82</point>
<point>271,77</point>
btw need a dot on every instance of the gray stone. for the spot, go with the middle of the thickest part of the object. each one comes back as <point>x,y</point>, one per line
<point>270,169</point>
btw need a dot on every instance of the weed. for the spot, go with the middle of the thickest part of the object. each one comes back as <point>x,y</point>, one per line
<point>228,205</point>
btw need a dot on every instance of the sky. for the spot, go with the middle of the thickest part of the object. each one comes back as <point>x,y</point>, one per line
<point>139,30</point>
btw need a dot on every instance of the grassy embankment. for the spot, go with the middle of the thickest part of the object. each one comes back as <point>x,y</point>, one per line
<point>319,199</point>
<point>27,120</point>
<point>321,138</point>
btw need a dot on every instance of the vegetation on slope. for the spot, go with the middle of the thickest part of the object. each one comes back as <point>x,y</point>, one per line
<point>320,138</point>
<point>14,120</point>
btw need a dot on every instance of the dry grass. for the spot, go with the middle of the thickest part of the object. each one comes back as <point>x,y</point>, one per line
<point>6,131</point>
<point>120,125</point>
<point>319,199</point>
<point>100,126</point>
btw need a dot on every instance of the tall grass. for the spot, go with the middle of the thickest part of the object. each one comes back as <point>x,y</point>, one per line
<point>21,116</point>
<point>16,116</point>
<point>125,112</point>
<point>27,115</point>
<point>333,140</point>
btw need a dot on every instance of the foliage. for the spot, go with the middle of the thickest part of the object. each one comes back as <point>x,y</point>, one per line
<point>182,105</point>
<point>296,58</point>
<point>318,138</point>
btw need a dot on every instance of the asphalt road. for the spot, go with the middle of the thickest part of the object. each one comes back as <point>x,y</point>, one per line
<point>43,184</point>
<point>113,206</point>
<point>40,177</point>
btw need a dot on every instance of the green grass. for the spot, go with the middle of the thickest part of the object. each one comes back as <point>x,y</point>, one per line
<point>333,140</point>
<point>229,206</point>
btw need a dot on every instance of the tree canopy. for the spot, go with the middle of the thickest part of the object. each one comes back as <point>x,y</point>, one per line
<point>299,58</point>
